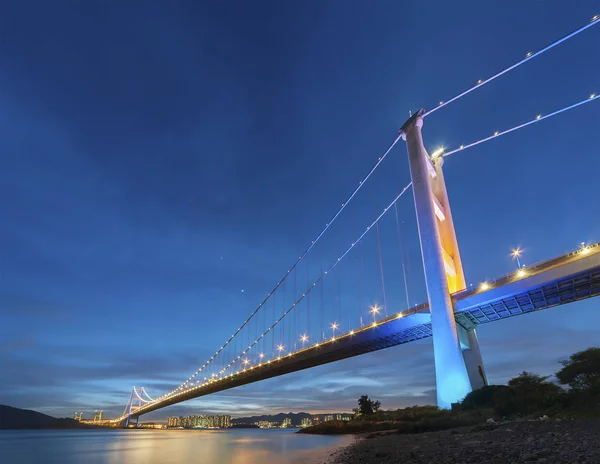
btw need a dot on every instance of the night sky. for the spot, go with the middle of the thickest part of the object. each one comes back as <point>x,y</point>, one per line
<point>162,165</point>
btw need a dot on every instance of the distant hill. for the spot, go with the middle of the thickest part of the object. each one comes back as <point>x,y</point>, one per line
<point>295,417</point>
<point>15,418</point>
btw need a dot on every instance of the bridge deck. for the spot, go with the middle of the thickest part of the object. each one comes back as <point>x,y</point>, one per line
<point>567,278</point>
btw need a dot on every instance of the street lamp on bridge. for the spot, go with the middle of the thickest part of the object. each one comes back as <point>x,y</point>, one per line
<point>333,327</point>
<point>516,254</point>
<point>374,311</point>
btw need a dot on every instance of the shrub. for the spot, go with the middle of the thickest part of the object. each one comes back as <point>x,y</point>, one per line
<point>484,397</point>
<point>443,421</point>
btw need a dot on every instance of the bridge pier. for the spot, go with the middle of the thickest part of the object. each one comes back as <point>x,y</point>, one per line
<point>457,372</point>
<point>132,421</point>
<point>472,356</point>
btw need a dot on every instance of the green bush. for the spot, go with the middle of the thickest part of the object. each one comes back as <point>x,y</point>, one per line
<point>525,394</point>
<point>443,421</point>
<point>410,414</point>
<point>485,397</point>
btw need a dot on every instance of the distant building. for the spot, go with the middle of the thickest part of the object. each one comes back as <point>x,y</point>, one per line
<point>266,424</point>
<point>338,417</point>
<point>328,418</point>
<point>200,421</point>
<point>306,422</point>
<point>151,425</point>
<point>287,422</point>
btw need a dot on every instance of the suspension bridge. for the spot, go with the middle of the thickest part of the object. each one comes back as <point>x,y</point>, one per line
<point>308,320</point>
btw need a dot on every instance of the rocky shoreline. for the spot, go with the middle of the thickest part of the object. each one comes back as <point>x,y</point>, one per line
<point>575,441</point>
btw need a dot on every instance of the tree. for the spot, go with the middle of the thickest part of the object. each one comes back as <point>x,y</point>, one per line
<point>366,407</point>
<point>581,371</point>
<point>529,393</point>
<point>528,380</point>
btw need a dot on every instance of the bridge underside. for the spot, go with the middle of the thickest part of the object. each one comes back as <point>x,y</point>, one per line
<point>391,333</point>
<point>564,280</point>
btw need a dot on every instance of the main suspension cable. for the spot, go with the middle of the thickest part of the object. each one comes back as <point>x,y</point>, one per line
<point>530,56</point>
<point>300,258</point>
<point>320,278</point>
<point>538,118</point>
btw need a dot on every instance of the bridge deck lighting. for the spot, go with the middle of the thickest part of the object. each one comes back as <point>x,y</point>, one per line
<point>528,55</point>
<point>593,95</point>
<point>374,324</point>
<point>484,286</point>
<point>280,348</point>
<point>595,18</point>
<point>538,116</point>
<point>521,273</point>
<point>352,332</point>
<point>400,315</point>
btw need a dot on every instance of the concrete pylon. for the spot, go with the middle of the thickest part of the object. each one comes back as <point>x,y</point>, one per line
<point>456,374</point>
<point>455,274</point>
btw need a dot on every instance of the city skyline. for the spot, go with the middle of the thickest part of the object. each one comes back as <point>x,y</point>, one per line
<point>160,190</point>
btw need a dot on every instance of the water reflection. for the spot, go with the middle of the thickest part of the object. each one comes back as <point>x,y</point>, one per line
<point>248,446</point>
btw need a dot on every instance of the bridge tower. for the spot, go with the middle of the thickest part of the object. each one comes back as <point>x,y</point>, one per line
<point>97,416</point>
<point>135,402</point>
<point>78,416</point>
<point>458,362</point>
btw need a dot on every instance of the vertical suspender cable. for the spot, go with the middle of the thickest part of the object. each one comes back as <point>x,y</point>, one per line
<point>402,257</point>
<point>381,269</point>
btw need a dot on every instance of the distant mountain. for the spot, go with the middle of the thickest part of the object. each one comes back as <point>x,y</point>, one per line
<point>15,418</point>
<point>295,417</point>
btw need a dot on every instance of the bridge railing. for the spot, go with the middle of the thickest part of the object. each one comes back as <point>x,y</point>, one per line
<point>529,270</point>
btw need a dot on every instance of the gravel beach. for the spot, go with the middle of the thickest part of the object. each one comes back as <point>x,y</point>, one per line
<point>540,441</point>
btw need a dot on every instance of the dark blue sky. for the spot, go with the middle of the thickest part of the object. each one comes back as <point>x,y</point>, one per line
<point>157,158</point>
